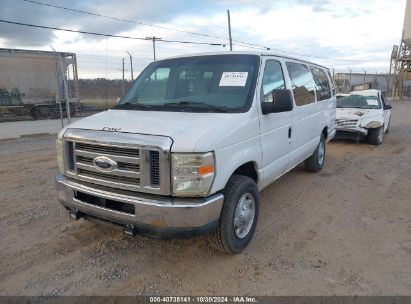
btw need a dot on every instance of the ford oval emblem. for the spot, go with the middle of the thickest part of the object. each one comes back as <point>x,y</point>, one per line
<point>103,163</point>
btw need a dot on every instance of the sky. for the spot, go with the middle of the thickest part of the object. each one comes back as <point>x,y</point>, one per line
<point>341,34</point>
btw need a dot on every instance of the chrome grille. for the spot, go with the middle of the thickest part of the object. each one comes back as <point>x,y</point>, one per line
<point>346,123</point>
<point>121,165</point>
<point>109,177</point>
<point>141,162</point>
<point>105,149</point>
<point>127,173</point>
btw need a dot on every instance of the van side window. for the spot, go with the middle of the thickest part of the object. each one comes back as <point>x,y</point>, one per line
<point>302,83</point>
<point>273,79</point>
<point>322,84</point>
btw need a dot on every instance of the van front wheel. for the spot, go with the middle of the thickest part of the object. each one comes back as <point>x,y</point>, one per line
<point>238,216</point>
<point>316,161</point>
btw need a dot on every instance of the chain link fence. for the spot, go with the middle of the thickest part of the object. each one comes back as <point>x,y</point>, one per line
<point>41,85</point>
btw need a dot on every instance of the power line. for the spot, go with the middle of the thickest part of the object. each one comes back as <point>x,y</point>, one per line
<point>141,23</point>
<point>108,35</point>
<point>121,19</point>
<point>251,45</point>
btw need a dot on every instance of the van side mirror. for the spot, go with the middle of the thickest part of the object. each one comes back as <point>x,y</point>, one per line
<point>387,107</point>
<point>282,102</point>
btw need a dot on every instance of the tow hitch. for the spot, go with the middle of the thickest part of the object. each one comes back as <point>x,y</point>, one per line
<point>74,215</point>
<point>130,230</point>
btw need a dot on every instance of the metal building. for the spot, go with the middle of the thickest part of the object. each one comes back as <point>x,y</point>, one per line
<point>347,82</point>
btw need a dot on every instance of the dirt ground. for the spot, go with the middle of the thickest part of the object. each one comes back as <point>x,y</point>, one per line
<point>344,231</point>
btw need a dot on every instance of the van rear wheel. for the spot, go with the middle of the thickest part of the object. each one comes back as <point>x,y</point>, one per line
<point>316,161</point>
<point>238,217</point>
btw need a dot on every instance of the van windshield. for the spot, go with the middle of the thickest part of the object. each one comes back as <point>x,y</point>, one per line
<point>359,101</point>
<point>215,83</point>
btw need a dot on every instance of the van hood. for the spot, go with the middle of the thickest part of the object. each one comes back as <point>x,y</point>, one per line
<point>190,132</point>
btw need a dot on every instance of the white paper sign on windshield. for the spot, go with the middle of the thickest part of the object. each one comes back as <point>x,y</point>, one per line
<point>372,102</point>
<point>233,79</point>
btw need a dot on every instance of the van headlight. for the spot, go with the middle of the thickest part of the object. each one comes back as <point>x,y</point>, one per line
<point>60,160</point>
<point>192,173</point>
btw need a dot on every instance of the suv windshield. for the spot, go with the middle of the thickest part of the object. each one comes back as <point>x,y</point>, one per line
<point>359,101</point>
<point>215,83</point>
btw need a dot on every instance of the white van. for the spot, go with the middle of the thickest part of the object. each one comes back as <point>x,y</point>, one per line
<point>190,145</point>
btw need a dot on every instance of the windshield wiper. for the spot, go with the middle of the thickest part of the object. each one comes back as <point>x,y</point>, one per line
<point>133,105</point>
<point>196,104</point>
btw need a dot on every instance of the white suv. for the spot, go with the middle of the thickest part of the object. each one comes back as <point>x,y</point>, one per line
<point>190,145</point>
<point>363,115</point>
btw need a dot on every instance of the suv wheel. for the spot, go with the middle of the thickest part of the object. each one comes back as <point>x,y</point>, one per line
<point>376,136</point>
<point>238,217</point>
<point>316,161</point>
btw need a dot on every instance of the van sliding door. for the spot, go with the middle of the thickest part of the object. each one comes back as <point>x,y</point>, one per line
<point>303,140</point>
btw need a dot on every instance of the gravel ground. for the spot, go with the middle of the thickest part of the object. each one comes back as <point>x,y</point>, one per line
<point>344,231</point>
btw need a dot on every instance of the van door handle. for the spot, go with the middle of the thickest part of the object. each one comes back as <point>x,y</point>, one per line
<point>289,132</point>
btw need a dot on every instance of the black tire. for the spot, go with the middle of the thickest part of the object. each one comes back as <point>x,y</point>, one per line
<point>225,238</point>
<point>376,136</point>
<point>316,161</point>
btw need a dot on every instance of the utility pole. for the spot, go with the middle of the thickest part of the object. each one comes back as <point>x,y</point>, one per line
<point>123,88</point>
<point>350,82</point>
<point>365,74</point>
<point>229,30</point>
<point>154,39</point>
<point>131,65</point>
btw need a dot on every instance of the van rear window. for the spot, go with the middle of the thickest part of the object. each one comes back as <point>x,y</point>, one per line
<point>322,84</point>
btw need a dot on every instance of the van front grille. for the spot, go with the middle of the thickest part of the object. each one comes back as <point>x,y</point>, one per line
<point>132,168</point>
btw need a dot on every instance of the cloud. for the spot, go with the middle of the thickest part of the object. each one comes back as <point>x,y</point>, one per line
<point>353,30</point>
<point>144,11</point>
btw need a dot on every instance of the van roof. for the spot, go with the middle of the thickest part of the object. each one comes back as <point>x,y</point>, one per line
<point>261,54</point>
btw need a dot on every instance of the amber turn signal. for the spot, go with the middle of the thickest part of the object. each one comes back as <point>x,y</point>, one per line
<point>205,170</point>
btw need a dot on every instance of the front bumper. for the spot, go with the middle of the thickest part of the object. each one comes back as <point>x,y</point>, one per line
<point>355,129</point>
<point>350,134</point>
<point>143,212</point>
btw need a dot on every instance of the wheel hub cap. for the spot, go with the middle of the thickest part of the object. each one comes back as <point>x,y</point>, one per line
<point>244,215</point>
<point>321,152</point>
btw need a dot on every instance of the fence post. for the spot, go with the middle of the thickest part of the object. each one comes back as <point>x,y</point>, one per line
<point>58,99</point>
<point>64,73</point>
